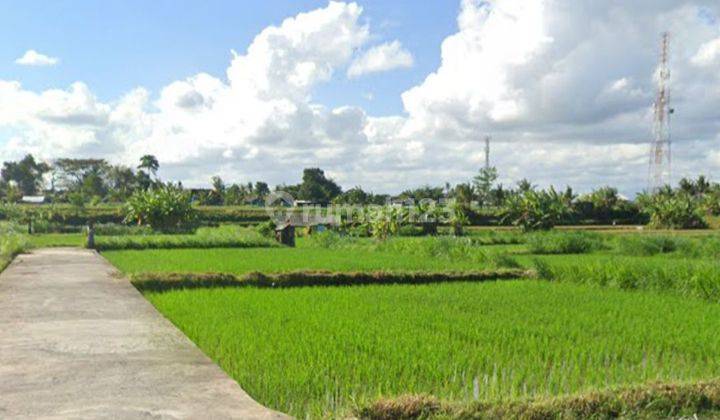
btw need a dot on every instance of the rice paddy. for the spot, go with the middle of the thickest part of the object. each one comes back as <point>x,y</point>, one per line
<point>325,351</point>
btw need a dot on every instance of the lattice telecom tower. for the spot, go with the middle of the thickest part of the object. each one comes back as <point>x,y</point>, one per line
<point>660,151</point>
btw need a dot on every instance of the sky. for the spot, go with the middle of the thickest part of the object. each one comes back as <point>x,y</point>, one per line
<point>383,94</point>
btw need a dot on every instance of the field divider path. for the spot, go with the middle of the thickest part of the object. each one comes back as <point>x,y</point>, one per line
<point>77,340</point>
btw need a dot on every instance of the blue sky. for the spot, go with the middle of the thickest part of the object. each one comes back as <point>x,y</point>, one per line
<point>565,88</point>
<point>114,46</point>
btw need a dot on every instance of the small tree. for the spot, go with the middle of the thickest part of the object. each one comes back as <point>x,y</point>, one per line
<point>458,217</point>
<point>382,222</point>
<point>149,164</point>
<point>164,208</point>
<point>484,182</point>
<point>428,214</point>
<point>535,209</point>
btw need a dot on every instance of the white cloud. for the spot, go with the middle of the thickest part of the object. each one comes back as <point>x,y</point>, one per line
<point>383,57</point>
<point>708,54</point>
<point>566,102</point>
<point>34,58</point>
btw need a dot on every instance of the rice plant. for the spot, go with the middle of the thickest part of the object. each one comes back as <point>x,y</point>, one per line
<point>690,278</point>
<point>564,242</point>
<point>321,352</point>
<point>223,237</point>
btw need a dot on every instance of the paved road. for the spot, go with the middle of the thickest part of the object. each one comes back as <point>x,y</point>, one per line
<point>78,341</point>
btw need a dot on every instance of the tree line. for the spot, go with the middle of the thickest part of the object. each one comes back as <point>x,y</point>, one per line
<point>82,181</point>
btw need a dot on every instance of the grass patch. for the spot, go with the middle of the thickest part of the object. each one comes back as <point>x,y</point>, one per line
<point>690,278</point>
<point>170,281</point>
<point>651,401</point>
<point>49,240</point>
<point>12,242</point>
<point>222,237</point>
<point>307,258</point>
<point>556,242</point>
<point>327,351</point>
<point>648,245</point>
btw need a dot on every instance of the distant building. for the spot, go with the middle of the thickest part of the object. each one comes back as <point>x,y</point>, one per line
<point>309,203</point>
<point>34,199</point>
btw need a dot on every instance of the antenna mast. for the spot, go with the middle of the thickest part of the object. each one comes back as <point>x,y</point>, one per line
<point>660,151</point>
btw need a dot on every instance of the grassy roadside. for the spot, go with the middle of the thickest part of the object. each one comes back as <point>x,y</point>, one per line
<point>649,401</point>
<point>12,242</point>
<point>4,262</point>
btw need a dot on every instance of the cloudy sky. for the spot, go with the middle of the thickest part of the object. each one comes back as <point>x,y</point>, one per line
<point>383,94</point>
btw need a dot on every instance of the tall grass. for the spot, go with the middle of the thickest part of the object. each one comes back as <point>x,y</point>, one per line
<point>705,246</point>
<point>691,278</point>
<point>276,260</point>
<point>222,237</point>
<point>49,227</point>
<point>663,400</point>
<point>497,237</point>
<point>12,242</point>
<point>440,248</point>
<point>320,352</point>
<point>556,242</point>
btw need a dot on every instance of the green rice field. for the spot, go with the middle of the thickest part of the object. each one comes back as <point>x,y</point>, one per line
<point>324,351</point>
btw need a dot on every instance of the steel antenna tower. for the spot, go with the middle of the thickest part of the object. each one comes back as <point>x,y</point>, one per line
<point>660,151</point>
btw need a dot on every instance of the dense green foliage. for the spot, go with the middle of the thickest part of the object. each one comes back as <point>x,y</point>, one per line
<point>674,211</point>
<point>165,208</point>
<point>536,209</point>
<point>319,351</point>
<point>26,176</point>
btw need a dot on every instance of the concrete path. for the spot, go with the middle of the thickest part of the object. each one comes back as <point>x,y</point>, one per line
<point>78,341</point>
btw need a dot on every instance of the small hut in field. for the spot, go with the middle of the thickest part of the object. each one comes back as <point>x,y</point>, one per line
<point>285,231</point>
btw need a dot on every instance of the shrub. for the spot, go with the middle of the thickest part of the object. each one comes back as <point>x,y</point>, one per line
<point>165,208</point>
<point>673,211</point>
<point>329,240</point>
<point>564,242</point>
<point>12,242</point>
<point>381,222</point>
<point>535,210</point>
<point>266,229</point>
